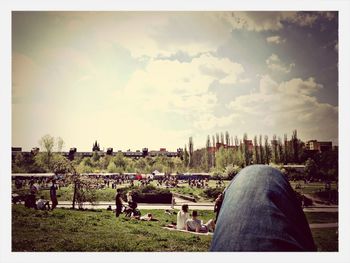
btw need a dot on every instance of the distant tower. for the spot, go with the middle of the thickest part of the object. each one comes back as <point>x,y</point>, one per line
<point>96,147</point>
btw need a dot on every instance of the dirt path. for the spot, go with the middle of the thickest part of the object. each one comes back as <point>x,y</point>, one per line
<point>324,225</point>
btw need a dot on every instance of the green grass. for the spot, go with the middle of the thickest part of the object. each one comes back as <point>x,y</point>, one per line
<point>311,187</point>
<point>68,230</point>
<point>72,230</point>
<point>326,239</point>
<point>321,217</point>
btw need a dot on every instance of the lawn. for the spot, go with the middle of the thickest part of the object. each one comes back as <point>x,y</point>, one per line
<point>72,230</point>
<point>311,187</point>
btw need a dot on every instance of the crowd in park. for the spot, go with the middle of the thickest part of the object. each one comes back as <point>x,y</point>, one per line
<point>30,200</point>
<point>243,213</point>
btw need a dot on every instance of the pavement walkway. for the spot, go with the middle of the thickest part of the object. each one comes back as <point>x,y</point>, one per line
<point>179,203</point>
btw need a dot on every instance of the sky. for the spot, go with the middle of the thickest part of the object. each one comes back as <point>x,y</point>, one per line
<point>153,79</point>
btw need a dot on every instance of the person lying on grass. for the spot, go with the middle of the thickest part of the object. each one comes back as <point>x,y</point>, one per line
<point>148,217</point>
<point>196,225</point>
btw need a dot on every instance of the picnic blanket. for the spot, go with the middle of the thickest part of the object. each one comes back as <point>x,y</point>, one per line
<point>185,231</point>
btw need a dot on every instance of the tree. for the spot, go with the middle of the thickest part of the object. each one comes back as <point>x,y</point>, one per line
<point>186,157</point>
<point>227,138</point>
<point>286,151</point>
<point>207,157</point>
<point>120,160</point>
<point>311,169</point>
<point>47,143</point>
<point>274,149</point>
<point>60,144</point>
<point>267,152</point>
<point>256,151</point>
<point>214,150</point>
<point>95,158</point>
<point>112,168</point>
<point>190,149</point>
<point>261,148</point>
<point>223,158</point>
<point>280,150</point>
<point>295,147</point>
<point>232,170</point>
<point>246,151</point>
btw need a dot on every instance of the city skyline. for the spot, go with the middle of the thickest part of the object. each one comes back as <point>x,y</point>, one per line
<point>138,79</point>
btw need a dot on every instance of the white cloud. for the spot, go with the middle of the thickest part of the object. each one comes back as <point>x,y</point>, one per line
<point>275,40</point>
<point>274,63</point>
<point>210,121</point>
<point>181,86</point>
<point>281,107</point>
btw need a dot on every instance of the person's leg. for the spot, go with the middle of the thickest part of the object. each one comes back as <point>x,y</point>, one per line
<point>119,210</point>
<point>260,212</point>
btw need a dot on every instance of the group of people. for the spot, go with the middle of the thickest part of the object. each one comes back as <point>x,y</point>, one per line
<point>191,222</point>
<point>130,210</point>
<point>198,183</point>
<point>30,200</point>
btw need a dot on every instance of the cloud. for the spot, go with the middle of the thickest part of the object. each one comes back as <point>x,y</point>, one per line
<point>159,34</point>
<point>274,20</point>
<point>171,85</point>
<point>210,121</point>
<point>281,107</point>
<point>274,63</point>
<point>275,40</point>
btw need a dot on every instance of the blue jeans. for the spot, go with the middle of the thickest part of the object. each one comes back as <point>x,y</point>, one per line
<point>260,212</point>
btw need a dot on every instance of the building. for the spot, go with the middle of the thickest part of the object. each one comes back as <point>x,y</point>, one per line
<point>73,153</point>
<point>319,146</point>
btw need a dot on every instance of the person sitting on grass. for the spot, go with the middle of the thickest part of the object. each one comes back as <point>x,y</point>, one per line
<point>182,216</point>
<point>30,200</point>
<point>43,204</point>
<point>195,225</point>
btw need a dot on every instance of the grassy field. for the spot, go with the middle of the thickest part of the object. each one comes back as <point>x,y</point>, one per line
<point>311,187</point>
<point>68,230</point>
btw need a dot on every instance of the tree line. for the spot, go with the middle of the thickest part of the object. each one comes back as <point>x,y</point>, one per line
<point>223,153</point>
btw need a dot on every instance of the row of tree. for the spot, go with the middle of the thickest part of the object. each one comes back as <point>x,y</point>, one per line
<point>222,150</point>
<point>222,154</point>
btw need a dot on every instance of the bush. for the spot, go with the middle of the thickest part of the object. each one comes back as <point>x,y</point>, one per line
<point>148,194</point>
<point>213,192</point>
<point>85,194</point>
<point>231,171</point>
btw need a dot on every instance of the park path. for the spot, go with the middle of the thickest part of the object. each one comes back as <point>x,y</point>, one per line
<point>324,225</point>
<point>180,202</point>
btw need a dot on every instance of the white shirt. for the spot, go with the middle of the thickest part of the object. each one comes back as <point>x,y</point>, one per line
<point>181,219</point>
<point>41,203</point>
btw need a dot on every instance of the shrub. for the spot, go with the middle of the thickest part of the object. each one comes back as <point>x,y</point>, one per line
<point>148,194</point>
<point>231,171</point>
<point>213,192</point>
